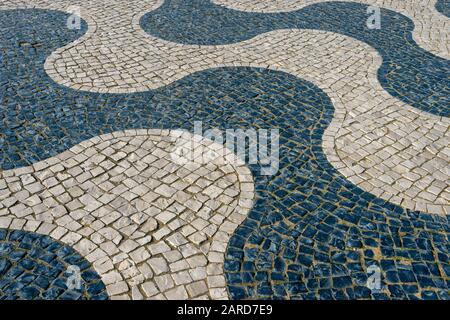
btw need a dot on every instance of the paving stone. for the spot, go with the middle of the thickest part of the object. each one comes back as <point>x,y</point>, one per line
<point>178,293</point>
<point>159,265</point>
<point>197,288</point>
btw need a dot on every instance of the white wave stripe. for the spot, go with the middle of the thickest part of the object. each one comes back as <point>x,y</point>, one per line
<point>152,227</point>
<point>407,166</point>
<point>346,70</point>
<point>431,32</point>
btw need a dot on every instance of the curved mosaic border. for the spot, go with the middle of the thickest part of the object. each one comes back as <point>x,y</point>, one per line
<point>313,235</point>
<point>311,60</point>
<point>153,223</point>
<point>430,32</point>
<point>35,267</point>
<point>402,224</point>
<point>404,63</point>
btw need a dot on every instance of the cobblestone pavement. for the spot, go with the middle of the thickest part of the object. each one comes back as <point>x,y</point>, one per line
<point>34,266</point>
<point>94,119</point>
<point>134,212</point>
<point>430,32</point>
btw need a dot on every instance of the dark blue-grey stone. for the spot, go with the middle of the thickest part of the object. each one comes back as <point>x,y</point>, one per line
<point>25,271</point>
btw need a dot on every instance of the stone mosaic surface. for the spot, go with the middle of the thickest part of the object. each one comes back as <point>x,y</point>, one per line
<point>402,58</point>
<point>387,163</point>
<point>363,172</point>
<point>430,30</point>
<point>34,266</point>
<point>149,223</point>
